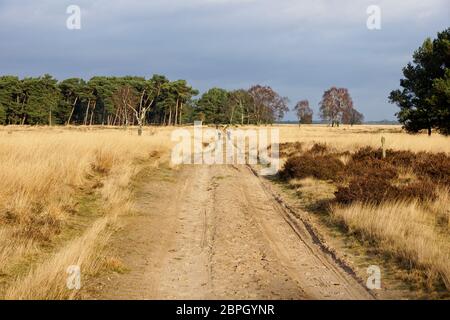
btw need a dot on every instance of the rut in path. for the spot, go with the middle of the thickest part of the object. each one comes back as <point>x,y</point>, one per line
<point>213,232</point>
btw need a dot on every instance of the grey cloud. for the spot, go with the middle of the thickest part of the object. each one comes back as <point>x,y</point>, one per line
<point>298,47</point>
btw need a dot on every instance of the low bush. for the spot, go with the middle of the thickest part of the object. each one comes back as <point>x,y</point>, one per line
<point>367,177</point>
<point>319,148</point>
<point>376,190</point>
<point>370,168</point>
<point>423,190</point>
<point>401,158</point>
<point>319,167</point>
<point>435,166</point>
<point>366,153</point>
<point>289,148</point>
<point>366,190</point>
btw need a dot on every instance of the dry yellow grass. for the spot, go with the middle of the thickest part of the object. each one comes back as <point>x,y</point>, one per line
<point>312,190</point>
<point>414,232</point>
<point>406,230</point>
<point>48,279</point>
<point>41,173</point>
<point>347,138</point>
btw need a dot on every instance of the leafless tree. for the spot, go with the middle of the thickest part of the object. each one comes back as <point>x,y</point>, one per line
<point>335,101</point>
<point>125,98</point>
<point>304,112</point>
<point>352,117</point>
<point>268,106</point>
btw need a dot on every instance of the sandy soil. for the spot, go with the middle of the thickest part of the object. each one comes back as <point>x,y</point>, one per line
<point>216,232</point>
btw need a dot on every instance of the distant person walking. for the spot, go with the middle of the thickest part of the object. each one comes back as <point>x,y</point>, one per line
<point>228,134</point>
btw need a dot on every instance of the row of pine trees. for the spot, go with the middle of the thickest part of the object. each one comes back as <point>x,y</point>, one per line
<point>101,100</point>
<point>123,101</point>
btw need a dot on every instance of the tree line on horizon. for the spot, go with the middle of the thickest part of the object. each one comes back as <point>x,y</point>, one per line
<point>424,99</point>
<point>336,107</point>
<point>126,101</point>
<point>111,101</point>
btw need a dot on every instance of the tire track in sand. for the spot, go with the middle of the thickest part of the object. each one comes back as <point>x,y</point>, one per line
<point>215,233</point>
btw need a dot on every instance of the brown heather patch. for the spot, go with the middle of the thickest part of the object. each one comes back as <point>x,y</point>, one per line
<point>289,149</point>
<point>320,167</point>
<point>376,190</point>
<point>319,148</point>
<point>400,203</point>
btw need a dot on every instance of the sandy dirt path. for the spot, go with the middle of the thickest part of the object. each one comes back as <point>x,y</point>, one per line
<point>215,232</point>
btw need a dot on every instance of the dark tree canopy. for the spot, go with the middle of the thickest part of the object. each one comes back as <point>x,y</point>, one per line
<point>213,105</point>
<point>101,100</point>
<point>258,105</point>
<point>123,101</point>
<point>424,99</point>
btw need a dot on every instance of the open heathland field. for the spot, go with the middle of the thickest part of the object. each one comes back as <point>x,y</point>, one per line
<point>112,203</point>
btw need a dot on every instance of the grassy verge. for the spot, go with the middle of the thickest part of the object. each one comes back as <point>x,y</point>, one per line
<point>61,208</point>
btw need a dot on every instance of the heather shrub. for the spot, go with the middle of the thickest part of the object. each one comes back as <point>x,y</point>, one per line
<point>371,168</point>
<point>367,177</point>
<point>366,153</point>
<point>319,167</point>
<point>319,149</point>
<point>367,189</point>
<point>375,190</point>
<point>289,148</point>
<point>401,158</point>
<point>435,166</point>
<point>421,190</point>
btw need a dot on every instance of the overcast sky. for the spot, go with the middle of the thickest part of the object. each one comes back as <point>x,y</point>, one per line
<point>298,47</point>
